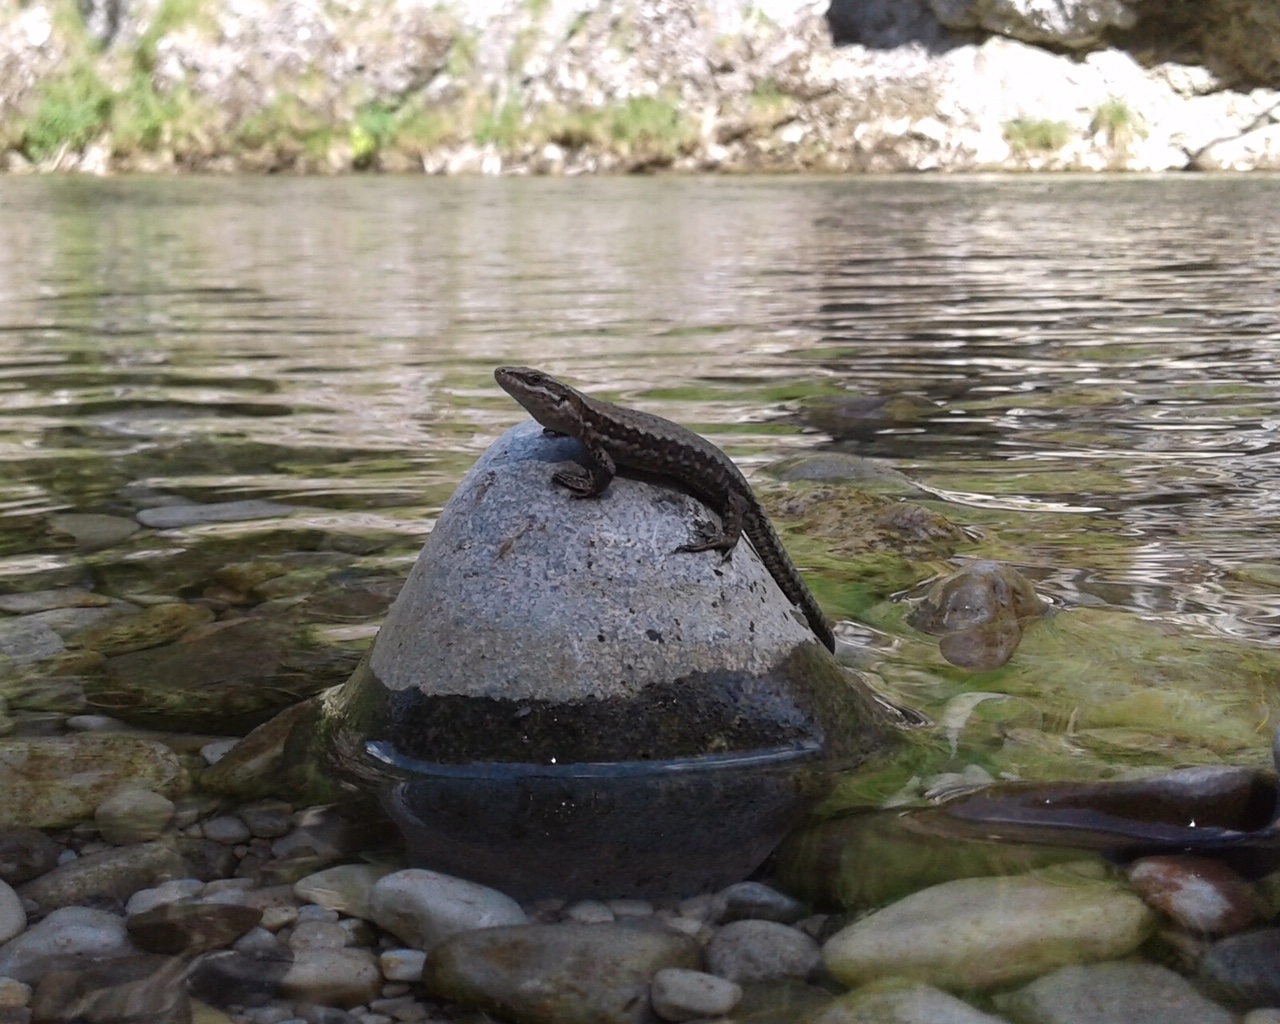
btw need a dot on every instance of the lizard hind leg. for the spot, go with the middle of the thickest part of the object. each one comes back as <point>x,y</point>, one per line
<point>730,532</point>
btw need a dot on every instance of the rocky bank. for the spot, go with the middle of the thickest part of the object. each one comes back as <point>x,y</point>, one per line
<point>576,86</point>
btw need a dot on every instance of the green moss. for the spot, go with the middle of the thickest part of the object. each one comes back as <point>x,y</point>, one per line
<point>641,128</point>
<point>70,111</point>
<point>283,126</point>
<point>1037,135</point>
<point>374,129</point>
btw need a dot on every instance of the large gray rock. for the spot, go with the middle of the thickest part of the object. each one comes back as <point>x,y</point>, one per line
<point>71,931</point>
<point>1067,23</point>
<point>538,634</point>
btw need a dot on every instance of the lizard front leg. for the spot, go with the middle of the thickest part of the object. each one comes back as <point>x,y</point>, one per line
<point>592,481</point>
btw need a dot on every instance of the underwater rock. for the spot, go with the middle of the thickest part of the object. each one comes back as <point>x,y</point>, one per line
<point>1245,968</point>
<point>1201,895</point>
<point>899,1002</point>
<point>557,974</point>
<point>560,703</point>
<point>56,781</point>
<point>170,517</point>
<point>1131,991</point>
<point>1013,928</point>
<point>226,677</point>
<point>980,613</point>
<point>152,627</point>
<point>91,531</point>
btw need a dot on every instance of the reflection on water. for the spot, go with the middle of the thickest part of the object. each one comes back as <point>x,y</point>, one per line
<point>1111,346</point>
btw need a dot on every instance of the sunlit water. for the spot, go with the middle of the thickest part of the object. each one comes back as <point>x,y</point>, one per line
<point>1101,357</point>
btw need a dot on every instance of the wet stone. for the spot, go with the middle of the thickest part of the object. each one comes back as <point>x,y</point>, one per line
<point>344,888</point>
<point>25,853</point>
<point>14,993</point>
<point>24,642</point>
<point>189,927</point>
<point>70,931</point>
<point>557,974</point>
<point>757,901</point>
<point>424,907</point>
<point>1244,969</point>
<point>402,964</point>
<point>227,829</point>
<point>896,1002</point>
<point>48,600</point>
<point>589,912</point>
<point>1201,895</point>
<point>332,977</point>
<point>151,627</point>
<point>678,994</point>
<point>267,819</point>
<point>747,951</point>
<point>232,978</point>
<point>64,778</point>
<point>1129,992</point>
<point>166,892</point>
<point>1015,928</point>
<point>133,816</point>
<point>91,530</point>
<point>169,517</point>
<point>130,988</point>
<point>113,874</point>
<point>13,917</point>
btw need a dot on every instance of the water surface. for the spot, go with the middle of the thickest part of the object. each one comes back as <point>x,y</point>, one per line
<point>1093,366</point>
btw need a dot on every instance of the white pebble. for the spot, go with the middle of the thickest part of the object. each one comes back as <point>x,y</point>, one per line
<point>227,829</point>
<point>165,892</point>
<point>589,912</point>
<point>402,964</point>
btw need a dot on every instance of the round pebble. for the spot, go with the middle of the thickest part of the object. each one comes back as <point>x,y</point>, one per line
<point>227,829</point>
<point>402,964</point>
<point>13,918</point>
<point>747,951</point>
<point>678,994</point>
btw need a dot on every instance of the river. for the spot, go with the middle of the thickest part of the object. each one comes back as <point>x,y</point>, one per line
<point>1091,371</point>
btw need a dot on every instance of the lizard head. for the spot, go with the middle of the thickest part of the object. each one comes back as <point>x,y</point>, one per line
<point>554,405</point>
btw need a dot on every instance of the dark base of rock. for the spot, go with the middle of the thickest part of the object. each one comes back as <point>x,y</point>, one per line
<point>646,829</point>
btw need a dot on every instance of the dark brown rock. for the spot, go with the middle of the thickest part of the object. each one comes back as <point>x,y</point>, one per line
<point>174,928</point>
<point>25,853</point>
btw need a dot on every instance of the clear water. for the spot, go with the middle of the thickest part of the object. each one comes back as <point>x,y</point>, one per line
<point>1101,358</point>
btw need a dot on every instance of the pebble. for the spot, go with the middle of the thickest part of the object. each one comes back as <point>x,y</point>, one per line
<point>268,819</point>
<point>25,853</point>
<point>227,829</point>
<point>402,964</point>
<point>630,908</point>
<point>332,977</point>
<point>1266,1016</point>
<point>756,901</point>
<point>344,888</point>
<point>897,1002</point>
<point>1014,928</point>
<point>750,951</point>
<point>1243,968</point>
<point>71,930</point>
<point>234,978</point>
<point>1201,895</point>
<point>95,723</point>
<point>589,912</point>
<point>1126,992</point>
<point>423,907</point>
<point>14,993</point>
<point>317,935</point>
<point>679,994</point>
<point>13,918</point>
<point>165,892</point>
<point>133,816</point>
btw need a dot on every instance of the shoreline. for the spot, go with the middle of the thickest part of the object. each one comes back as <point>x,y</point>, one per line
<point>554,87</point>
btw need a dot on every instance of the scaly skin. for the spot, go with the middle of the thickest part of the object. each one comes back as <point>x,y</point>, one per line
<point>615,436</point>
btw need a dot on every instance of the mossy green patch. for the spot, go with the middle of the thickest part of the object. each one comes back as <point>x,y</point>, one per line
<point>71,111</point>
<point>1037,135</point>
